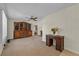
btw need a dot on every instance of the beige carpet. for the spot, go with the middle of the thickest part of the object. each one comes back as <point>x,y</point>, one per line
<point>32,46</point>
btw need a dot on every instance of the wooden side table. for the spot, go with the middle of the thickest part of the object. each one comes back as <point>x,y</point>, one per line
<point>59,41</point>
<point>49,40</point>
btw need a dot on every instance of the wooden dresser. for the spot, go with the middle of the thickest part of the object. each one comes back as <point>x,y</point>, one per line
<point>59,41</point>
<point>22,29</point>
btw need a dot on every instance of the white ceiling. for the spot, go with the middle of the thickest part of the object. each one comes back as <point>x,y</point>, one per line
<point>22,10</point>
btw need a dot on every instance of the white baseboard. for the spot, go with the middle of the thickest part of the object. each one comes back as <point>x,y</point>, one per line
<point>77,52</point>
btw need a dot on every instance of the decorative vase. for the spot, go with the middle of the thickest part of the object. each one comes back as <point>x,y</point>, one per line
<point>54,32</point>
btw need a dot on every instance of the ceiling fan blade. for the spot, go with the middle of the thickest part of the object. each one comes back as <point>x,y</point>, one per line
<point>31,18</point>
<point>35,20</point>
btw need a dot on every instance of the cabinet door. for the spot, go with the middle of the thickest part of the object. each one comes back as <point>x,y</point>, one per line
<point>49,40</point>
<point>30,33</point>
<point>29,26</point>
<point>58,43</point>
<point>16,26</point>
<point>62,44</point>
<point>17,35</point>
<point>21,25</point>
<point>25,26</point>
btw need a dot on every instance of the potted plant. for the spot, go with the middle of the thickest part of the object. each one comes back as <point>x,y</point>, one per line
<point>54,30</point>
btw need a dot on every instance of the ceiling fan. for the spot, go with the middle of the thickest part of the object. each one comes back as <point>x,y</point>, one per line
<point>32,18</point>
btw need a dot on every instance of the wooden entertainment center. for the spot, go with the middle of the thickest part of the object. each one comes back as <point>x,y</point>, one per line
<point>22,29</point>
<point>59,41</point>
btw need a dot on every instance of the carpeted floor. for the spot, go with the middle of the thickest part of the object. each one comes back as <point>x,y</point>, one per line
<point>32,46</point>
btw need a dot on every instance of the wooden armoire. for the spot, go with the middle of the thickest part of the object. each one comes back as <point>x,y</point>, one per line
<point>22,29</point>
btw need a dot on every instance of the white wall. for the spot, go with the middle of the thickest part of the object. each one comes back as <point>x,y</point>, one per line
<point>3,30</point>
<point>0,26</point>
<point>1,47</point>
<point>68,22</point>
<point>11,26</point>
<point>4,27</point>
<point>39,24</point>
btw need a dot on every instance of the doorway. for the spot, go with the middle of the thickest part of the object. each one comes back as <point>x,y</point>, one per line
<point>36,30</point>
